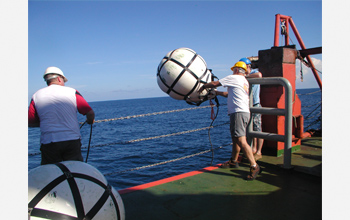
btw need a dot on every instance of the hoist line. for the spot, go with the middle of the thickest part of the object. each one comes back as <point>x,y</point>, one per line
<point>213,119</point>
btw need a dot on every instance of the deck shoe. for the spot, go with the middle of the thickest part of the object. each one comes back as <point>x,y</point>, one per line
<point>230,164</point>
<point>257,157</point>
<point>254,172</point>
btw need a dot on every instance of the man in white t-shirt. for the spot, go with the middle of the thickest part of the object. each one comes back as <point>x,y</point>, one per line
<point>238,109</point>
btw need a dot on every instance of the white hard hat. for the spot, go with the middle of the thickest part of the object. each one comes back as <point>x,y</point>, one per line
<point>54,70</point>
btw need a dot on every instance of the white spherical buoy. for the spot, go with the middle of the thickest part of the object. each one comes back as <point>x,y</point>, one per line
<point>72,190</point>
<point>181,73</point>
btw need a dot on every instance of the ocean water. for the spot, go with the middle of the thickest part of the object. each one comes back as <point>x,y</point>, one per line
<point>122,160</point>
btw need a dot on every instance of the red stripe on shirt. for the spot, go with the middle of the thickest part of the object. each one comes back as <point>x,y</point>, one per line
<point>82,106</point>
<point>33,118</point>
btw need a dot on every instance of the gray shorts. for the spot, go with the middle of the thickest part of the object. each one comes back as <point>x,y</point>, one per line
<point>238,123</point>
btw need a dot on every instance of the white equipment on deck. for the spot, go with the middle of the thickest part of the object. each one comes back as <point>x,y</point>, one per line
<point>72,190</point>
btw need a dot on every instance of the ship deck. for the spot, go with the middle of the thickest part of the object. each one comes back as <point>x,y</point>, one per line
<point>217,193</point>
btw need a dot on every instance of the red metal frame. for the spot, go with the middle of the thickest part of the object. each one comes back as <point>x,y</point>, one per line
<point>289,22</point>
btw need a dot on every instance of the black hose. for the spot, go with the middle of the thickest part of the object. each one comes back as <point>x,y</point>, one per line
<point>87,155</point>
<point>88,151</point>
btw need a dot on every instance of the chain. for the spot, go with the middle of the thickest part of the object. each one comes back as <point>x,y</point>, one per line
<point>315,122</point>
<point>33,154</point>
<point>165,162</point>
<point>311,105</point>
<point>313,111</point>
<point>320,113</point>
<point>137,116</point>
<point>149,138</point>
<point>319,104</point>
<point>309,93</point>
<point>146,139</point>
<point>150,114</point>
<point>302,61</point>
<point>310,117</point>
<point>156,137</point>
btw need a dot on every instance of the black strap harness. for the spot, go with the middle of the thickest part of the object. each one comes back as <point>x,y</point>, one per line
<point>70,178</point>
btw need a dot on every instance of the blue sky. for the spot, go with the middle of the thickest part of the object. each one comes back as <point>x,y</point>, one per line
<point>111,50</point>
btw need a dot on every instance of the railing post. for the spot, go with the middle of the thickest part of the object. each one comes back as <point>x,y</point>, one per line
<point>288,125</point>
<point>287,112</point>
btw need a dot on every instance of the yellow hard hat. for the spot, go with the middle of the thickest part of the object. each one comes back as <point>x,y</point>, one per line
<point>240,64</point>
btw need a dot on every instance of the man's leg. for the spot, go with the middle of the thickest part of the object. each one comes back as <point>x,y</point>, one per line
<point>235,150</point>
<point>242,143</point>
<point>254,147</point>
<point>260,143</point>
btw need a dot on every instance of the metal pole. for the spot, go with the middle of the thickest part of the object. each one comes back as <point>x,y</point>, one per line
<point>287,113</point>
<point>302,45</point>
<point>277,30</point>
<point>288,124</point>
<point>286,36</point>
<point>250,123</point>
